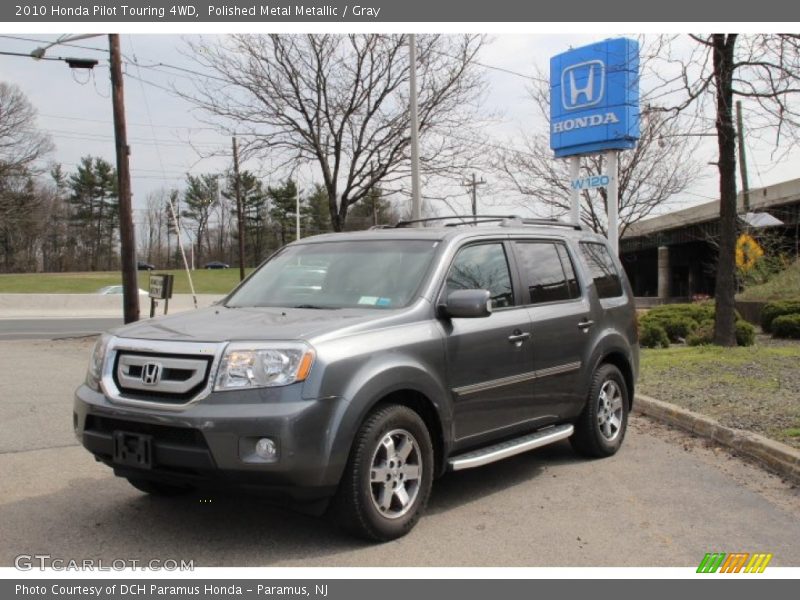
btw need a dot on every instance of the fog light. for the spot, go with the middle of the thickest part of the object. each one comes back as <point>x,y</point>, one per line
<point>266,449</point>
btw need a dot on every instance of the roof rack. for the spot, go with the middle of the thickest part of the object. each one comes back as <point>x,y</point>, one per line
<point>504,220</point>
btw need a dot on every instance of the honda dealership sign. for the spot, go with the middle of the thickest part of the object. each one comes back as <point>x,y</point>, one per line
<point>594,98</point>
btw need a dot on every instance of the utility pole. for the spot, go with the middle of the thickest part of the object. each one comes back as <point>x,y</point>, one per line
<point>742,157</point>
<point>416,202</point>
<point>612,208</point>
<point>474,185</point>
<point>239,209</point>
<point>130,286</point>
<point>297,215</point>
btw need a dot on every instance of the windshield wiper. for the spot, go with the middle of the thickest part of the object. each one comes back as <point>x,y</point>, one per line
<point>314,306</point>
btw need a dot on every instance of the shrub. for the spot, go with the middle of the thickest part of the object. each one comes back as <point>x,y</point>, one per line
<point>786,326</point>
<point>696,311</point>
<point>745,334</point>
<point>653,335</point>
<point>772,310</point>
<point>704,334</point>
<point>677,327</point>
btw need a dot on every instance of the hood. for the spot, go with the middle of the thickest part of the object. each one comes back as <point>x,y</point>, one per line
<point>221,324</point>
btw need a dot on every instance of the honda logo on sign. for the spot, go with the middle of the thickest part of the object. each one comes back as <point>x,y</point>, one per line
<point>583,84</point>
<point>151,373</point>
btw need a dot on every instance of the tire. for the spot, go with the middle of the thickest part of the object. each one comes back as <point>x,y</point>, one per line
<point>393,443</point>
<point>157,488</point>
<point>600,429</point>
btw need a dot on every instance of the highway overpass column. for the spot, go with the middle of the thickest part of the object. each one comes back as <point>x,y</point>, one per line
<point>663,272</point>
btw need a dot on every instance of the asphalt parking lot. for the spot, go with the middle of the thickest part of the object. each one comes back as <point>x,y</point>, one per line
<point>666,499</point>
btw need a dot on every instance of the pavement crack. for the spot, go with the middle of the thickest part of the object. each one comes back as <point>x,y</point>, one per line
<point>40,448</point>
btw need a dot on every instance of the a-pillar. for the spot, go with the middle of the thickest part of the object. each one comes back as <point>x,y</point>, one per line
<point>663,272</point>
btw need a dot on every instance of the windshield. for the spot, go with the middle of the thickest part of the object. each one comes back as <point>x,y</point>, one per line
<point>364,274</point>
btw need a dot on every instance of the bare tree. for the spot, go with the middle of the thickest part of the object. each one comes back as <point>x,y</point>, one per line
<point>21,143</point>
<point>651,174</point>
<point>764,70</point>
<point>340,102</point>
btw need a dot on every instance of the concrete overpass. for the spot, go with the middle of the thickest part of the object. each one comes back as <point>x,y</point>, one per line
<point>674,256</point>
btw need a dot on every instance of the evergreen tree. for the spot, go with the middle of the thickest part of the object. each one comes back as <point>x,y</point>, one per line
<point>94,206</point>
<point>283,204</point>
<point>200,197</point>
<point>372,210</point>
<point>256,214</point>
<point>317,213</point>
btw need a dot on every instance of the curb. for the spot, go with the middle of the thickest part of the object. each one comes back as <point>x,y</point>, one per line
<point>780,458</point>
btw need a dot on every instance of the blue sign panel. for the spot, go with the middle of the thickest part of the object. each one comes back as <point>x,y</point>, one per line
<point>594,98</point>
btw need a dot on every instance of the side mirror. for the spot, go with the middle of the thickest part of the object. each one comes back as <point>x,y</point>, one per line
<point>467,304</point>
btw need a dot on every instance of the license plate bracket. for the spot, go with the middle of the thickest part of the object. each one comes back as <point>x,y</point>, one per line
<point>133,449</point>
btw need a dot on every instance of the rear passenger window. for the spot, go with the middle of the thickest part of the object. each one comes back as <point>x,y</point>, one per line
<point>482,267</point>
<point>602,269</point>
<point>547,272</point>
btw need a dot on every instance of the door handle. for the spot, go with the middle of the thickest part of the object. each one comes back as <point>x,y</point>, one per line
<point>518,337</point>
<point>585,324</point>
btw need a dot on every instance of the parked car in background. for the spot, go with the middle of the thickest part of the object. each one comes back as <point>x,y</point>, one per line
<point>144,266</point>
<point>216,264</point>
<point>117,289</point>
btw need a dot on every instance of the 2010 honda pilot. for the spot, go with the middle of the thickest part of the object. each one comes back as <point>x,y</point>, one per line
<point>358,367</point>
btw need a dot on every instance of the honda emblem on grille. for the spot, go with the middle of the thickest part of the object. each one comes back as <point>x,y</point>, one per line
<point>151,373</point>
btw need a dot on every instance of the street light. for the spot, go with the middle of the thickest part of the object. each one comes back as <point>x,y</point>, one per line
<point>130,285</point>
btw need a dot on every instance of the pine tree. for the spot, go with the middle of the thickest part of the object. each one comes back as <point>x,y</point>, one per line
<point>372,210</point>
<point>283,204</point>
<point>256,214</point>
<point>94,205</point>
<point>201,196</point>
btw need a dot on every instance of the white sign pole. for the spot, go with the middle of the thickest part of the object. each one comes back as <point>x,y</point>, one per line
<point>574,192</point>
<point>613,199</point>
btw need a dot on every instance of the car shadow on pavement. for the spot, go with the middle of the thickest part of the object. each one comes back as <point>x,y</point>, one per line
<point>462,487</point>
<point>106,518</point>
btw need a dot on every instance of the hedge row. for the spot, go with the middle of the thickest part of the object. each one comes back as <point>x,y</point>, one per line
<point>775,310</point>
<point>693,323</point>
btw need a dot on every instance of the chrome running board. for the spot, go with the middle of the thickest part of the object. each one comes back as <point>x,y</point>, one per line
<point>490,454</point>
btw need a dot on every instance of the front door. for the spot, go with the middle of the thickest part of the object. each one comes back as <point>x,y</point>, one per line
<point>490,359</point>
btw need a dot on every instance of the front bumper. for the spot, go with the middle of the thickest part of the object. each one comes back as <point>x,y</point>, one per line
<point>209,443</point>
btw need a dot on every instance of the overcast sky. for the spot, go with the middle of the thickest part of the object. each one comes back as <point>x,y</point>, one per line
<point>75,109</point>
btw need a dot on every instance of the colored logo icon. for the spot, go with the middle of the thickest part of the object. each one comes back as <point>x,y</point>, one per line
<point>736,562</point>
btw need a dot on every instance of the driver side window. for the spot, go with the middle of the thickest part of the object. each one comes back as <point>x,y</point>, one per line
<point>484,267</point>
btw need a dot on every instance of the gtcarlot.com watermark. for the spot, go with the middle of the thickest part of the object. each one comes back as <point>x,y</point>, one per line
<point>42,562</point>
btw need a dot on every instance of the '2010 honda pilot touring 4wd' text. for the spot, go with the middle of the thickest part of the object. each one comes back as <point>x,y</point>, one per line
<point>358,367</point>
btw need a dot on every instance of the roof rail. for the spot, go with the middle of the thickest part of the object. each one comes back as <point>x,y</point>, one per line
<point>552,223</point>
<point>504,220</point>
<point>466,219</point>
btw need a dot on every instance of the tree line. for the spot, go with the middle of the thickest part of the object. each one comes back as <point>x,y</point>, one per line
<point>59,221</point>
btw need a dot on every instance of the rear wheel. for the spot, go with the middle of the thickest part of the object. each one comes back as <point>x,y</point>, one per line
<point>158,488</point>
<point>601,427</point>
<point>387,481</point>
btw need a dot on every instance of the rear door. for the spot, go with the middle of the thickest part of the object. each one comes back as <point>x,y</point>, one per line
<point>560,316</point>
<point>490,359</point>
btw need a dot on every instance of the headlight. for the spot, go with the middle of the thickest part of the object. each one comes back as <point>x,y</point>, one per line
<point>248,365</point>
<point>95,371</point>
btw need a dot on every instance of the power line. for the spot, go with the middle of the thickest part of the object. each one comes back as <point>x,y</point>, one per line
<point>40,41</point>
<point>108,122</point>
<point>23,55</point>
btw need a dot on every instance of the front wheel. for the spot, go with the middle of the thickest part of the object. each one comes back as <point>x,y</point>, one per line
<point>388,478</point>
<point>600,429</point>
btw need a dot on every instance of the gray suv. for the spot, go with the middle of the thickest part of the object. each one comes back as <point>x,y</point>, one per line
<point>353,369</point>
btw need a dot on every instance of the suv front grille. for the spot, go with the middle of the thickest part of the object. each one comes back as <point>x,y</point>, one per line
<point>160,377</point>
